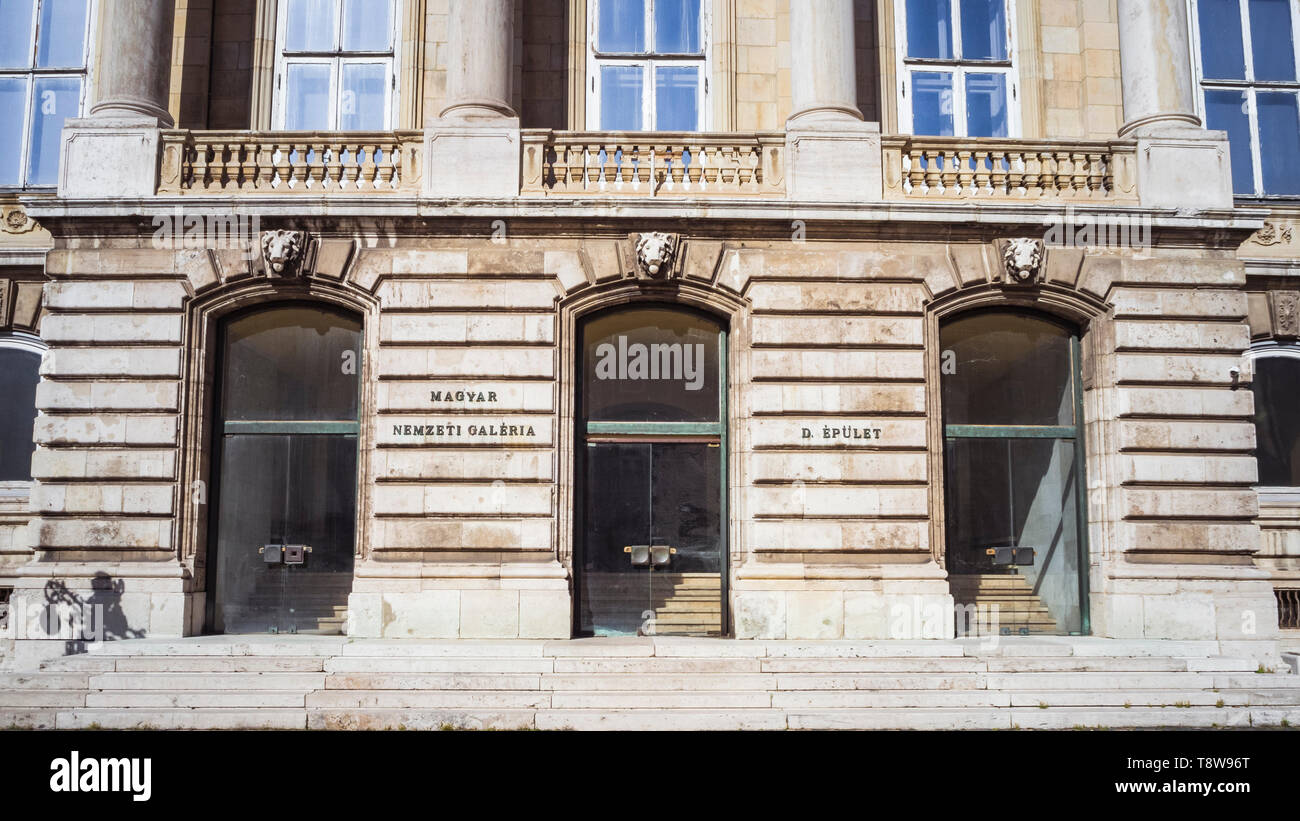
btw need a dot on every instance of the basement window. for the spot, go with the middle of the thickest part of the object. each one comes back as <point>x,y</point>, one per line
<point>1288,608</point>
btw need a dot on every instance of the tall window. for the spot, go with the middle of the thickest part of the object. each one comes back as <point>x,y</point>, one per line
<point>337,65</point>
<point>20,363</point>
<point>647,65</point>
<point>956,68</point>
<point>43,48</point>
<point>1250,88</point>
<point>1277,414</point>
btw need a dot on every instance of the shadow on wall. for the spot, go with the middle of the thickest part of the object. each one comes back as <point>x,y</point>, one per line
<point>83,619</point>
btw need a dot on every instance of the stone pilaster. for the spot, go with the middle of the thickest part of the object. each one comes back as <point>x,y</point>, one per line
<point>1180,164</point>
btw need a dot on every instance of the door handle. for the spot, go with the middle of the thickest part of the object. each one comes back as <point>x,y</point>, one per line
<point>642,555</point>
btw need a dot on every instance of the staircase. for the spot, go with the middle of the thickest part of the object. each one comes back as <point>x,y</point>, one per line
<point>314,682</point>
<point>1019,610</point>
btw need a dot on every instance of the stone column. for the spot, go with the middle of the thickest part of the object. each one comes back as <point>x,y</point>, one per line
<point>472,148</point>
<point>1180,164</point>
<point>823,76</point>
<point>1157,66</point>
<point>113,153</point>
<point>135,69</point>
<point>481,36</point>
<point>833,155</point>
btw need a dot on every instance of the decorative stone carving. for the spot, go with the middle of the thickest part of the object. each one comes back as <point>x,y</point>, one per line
<point>15,220</point>
<point>1022,259</point>
<point>1286,313</point>
<point>1272,234</point>
<point>656,253</point>
<point>282,252</point>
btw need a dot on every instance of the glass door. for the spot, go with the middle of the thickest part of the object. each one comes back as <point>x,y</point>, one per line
<point>652,457</point>
<point>286,473</point>
<point>1014,471</point>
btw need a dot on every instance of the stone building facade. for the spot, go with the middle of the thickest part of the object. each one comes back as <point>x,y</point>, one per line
<point>803,371</point>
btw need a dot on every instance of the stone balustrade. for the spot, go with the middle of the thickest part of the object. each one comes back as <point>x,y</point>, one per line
<point>999,169</point>
<point>653,164</point>
<point>645,164</point>
<point>290,162</point>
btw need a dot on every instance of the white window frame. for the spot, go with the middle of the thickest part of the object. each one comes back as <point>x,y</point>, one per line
<point>1281,350</point>
<point>18,340</point>
<point>1249,86</point>
<point>648,62</point>
<point>336,59</point>
<point>905,66</point>
<point>32,73</point>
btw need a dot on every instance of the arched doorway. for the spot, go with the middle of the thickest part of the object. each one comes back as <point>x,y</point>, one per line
<point>650,518</point>
<point>283,518</point>
<point>1015,515</point>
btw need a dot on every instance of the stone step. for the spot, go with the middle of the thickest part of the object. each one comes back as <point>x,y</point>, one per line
<point>207,681</point>
<point>436,664</point>
<point>872,665</point>
<point>643,720</point>
<point>656,664</point>
<point>859,699</point>
<point>432,681</point>
<point>1101,681</point>
<point>40,698</point>
<point>658,681</point>
<point>251,645</point>
<point>44,681</point>
<point>467,699</point>
<point>650,700</point>
<point>880,681</point>
<point>217,664</point>
<point>28,718</point>
<point>229,718</point>
<point>419,719</point>
<point>192,699</point>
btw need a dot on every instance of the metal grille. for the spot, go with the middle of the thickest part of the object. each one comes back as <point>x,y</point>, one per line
<point>5,593</point>
<point>1288,609</point>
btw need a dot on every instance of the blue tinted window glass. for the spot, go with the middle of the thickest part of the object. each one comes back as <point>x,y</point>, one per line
<point>367,25</point>
<point>55,100</point>
<point>929,29</point>
<point>307,97</point>
<point>16,33</point>
<point>677,27</point>
<point>1223,57</point>
<point>620,98</point>
<point>932,103</point>
<point>62,34</point>
<point>677,98</point>
<point>1225,110</point>
<point>1272,52</point>
<point>986,105</point>
<point>361,106</point>
<point>310,25</point>
<point>983,30</point>
<point>1279,141</point>
<point>13,100</point>
<point>621,27</point>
